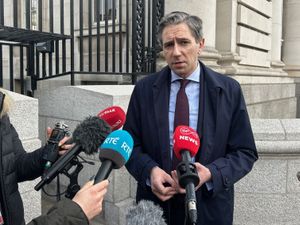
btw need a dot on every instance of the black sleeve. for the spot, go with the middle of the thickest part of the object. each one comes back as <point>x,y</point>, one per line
<point>241,150</point>
<point>140,163</point>
<point>29,165</point>
<point>65,212</point>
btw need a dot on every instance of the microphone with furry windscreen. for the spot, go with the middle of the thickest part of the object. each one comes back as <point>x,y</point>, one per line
<point>114,116</point>
<point>88,136</point>
<point>145,213</point>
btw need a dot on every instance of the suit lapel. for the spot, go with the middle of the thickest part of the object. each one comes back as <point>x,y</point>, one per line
<point>161,95</point>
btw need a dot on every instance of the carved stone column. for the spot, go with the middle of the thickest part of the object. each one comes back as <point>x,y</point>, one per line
<point>291,43</point>
<point>276,34</point>
<point>291,37</point>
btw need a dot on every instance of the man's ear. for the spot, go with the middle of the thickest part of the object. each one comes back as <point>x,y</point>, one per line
<point>202,42</point>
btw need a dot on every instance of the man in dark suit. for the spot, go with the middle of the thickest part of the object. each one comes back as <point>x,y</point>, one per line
<point>217,111</point>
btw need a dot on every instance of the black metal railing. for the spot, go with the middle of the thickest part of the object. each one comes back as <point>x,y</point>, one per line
<point>67,37</point>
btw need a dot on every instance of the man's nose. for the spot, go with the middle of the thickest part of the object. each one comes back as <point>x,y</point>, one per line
<point>177,50</point>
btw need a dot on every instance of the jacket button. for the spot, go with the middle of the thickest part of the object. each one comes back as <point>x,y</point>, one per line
<point>226,180</point>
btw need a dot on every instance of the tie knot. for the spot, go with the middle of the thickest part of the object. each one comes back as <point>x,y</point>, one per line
<point>183,83</point>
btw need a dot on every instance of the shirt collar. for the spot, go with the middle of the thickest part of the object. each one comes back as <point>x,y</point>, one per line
<point>193,77</point>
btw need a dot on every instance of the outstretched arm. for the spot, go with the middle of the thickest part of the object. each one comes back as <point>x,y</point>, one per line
<point>86,204</point>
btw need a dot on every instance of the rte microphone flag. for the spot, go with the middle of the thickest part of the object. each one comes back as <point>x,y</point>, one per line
<point>114,153</point>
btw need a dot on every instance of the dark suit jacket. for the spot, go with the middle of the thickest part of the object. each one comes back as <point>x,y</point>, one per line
<point>227,143</point>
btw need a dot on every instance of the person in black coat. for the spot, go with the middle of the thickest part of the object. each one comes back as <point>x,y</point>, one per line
<point>217,111</point>
<point>17,165</point>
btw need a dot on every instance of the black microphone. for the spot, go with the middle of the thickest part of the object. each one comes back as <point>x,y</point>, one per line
<point>51,148</point>
<point>88,136</point>
<point>114,153</point>
<point>145,213</point>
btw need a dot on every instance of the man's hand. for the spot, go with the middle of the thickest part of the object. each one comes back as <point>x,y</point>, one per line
<point>177,187</point>
<point>90,198</point>
<point>63,148</point>
<point>203,173</point>
<point>162,184</point>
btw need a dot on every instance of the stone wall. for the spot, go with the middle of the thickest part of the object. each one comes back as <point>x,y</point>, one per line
<point>270,193</point>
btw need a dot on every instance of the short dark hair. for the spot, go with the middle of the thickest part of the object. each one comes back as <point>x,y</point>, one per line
<point>193,22</point>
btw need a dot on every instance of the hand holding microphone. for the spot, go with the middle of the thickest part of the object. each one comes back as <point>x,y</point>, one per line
<point>88,135</point>
<point>90,198</point>
<point>56,136</point>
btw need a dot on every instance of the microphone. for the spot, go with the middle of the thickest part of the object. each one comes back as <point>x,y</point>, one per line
<point>145,213</point>
<point>51,148</point>
<point>186,145</point>
<point>114,153</point>
<point>88,136</point>
<point>114,116</point>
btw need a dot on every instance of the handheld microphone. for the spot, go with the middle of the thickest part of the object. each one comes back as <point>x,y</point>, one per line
<point>51,148</point>
<point>114,153</point>
<point>114,116</point>
<point>145,213</point>
<point>88,136</point>
<point>186,145</point>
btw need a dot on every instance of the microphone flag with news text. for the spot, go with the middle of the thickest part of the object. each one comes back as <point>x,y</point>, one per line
<point>186,145</point>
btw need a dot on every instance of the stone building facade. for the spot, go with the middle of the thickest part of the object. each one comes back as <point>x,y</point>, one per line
<point>255,42</point>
